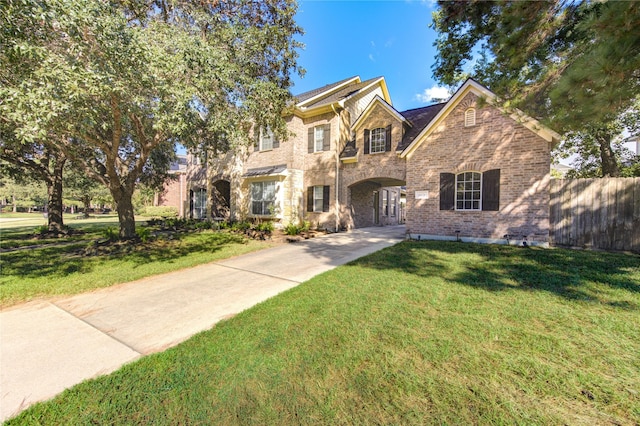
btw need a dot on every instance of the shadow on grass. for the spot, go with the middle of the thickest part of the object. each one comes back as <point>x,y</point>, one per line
<point>571,274</point>
<point>62,261</point>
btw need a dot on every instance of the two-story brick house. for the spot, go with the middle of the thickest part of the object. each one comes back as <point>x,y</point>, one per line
<point>292,180</point>
<point>468,168</point>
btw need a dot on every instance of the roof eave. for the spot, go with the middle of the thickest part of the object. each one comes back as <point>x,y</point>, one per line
<point>473,86</point>
<point>369,108</point>
<point>326,93</point>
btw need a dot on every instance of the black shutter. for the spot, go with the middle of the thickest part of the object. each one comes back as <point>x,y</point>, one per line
<point>256,137</point>
<point>325,198</point>
<point>276,142</point>
<point>310,199</point>
<point>447,191</point>
<point>326,143</point>
<point>366,140</point>
<point>491,190</point>
<point>387,140</point>
<point>311,140</point>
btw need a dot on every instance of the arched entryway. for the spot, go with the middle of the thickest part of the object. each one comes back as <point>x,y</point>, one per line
<point>221,199</point>
<point>376,202</point>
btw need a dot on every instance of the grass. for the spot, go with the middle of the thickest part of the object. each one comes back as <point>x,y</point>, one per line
<point>47,271</point>
<point>420,333</point>
<point>18,229</point>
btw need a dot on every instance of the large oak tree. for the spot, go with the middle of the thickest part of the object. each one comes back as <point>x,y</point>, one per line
<point>123,82</point>
<point>574,64</point>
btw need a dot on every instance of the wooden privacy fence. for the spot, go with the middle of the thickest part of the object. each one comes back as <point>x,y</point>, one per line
<point>595,213</point>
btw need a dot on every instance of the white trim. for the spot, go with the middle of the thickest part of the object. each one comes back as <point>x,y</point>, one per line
<point>455,196</point>
<point>471,86</point>
<point>470,117</point>
<point>384,140</point>
<point>370,107</point>
<point>356,79</point>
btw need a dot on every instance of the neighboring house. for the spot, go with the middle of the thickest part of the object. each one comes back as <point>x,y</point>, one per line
<point>460,169</point>
<point>174,193</point>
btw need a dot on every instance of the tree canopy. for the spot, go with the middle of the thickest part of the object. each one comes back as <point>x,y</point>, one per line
<point>569,62</point>
<point>120,83</point>
<point>573,64</point>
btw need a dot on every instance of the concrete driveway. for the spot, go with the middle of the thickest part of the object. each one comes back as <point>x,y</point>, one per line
<point>48,346</point>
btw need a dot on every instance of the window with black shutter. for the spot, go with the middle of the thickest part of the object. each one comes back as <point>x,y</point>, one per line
<point>491,190</point>
<point>319,138</point>
<point>318,198</point>
<point>447,191</point>
<point>470,191</point>
<point>367,137</point>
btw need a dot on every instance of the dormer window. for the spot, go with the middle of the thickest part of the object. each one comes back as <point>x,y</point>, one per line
<point>470,117</point>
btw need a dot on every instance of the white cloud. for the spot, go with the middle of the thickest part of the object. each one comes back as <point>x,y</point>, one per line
<point>434,92</point>
<point>371,57</point>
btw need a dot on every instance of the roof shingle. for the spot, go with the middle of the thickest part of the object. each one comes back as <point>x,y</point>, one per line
<point>419,118</point>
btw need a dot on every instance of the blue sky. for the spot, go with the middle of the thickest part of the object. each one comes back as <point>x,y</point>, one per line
<point>370,39</point>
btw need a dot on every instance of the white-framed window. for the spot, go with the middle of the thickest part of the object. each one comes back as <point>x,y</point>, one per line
<point>470,117</point>
<point>318,138</point>
<point>469,191</point>
<point>318,198</point>
<point>263,197</point>
<point>266,140</point>
<point>378,138</point>
<point>393,203</point>
<point>385,202</point>
<point>199,204</point>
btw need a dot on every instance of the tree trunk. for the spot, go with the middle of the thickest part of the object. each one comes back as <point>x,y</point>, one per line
<point>14,202</point>
<point>54,190</point>
<point>86,200</point>
<point>609,164</point>
<point>124,206</point>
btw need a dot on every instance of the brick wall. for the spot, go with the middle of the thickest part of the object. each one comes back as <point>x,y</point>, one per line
<point>175,194</point>
<point>495,142</point>
<point>376,170</point>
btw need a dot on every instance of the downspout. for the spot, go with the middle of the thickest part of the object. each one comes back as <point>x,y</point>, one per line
<point>337,191</point>
<point>182,182</point>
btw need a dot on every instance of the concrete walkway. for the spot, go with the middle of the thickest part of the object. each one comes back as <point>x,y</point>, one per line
<point>48,346</point>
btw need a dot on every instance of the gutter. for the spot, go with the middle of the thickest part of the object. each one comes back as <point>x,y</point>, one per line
<point>337,198</point>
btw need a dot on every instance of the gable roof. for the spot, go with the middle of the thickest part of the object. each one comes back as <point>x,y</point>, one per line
<point>472,86</point>
<point>334,95</point>
<point>306,97</point>
<point>419,118</point>
<point>377,101</point>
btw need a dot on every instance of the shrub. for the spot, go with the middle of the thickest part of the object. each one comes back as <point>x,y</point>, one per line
<point>265,227</point>
<point>241,226</point>
<point>143,233</point>
<point>111,234</point>
<point>205,224</point>
<point>41,230</point>
<point>292,229</point>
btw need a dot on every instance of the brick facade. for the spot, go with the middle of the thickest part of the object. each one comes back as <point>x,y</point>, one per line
<point>496,141</point>
<point>365,189</point>
<point>174,193</point>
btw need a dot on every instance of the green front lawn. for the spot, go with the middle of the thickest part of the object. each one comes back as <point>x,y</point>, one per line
<point>420,333</point>
<point>64,270</point>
